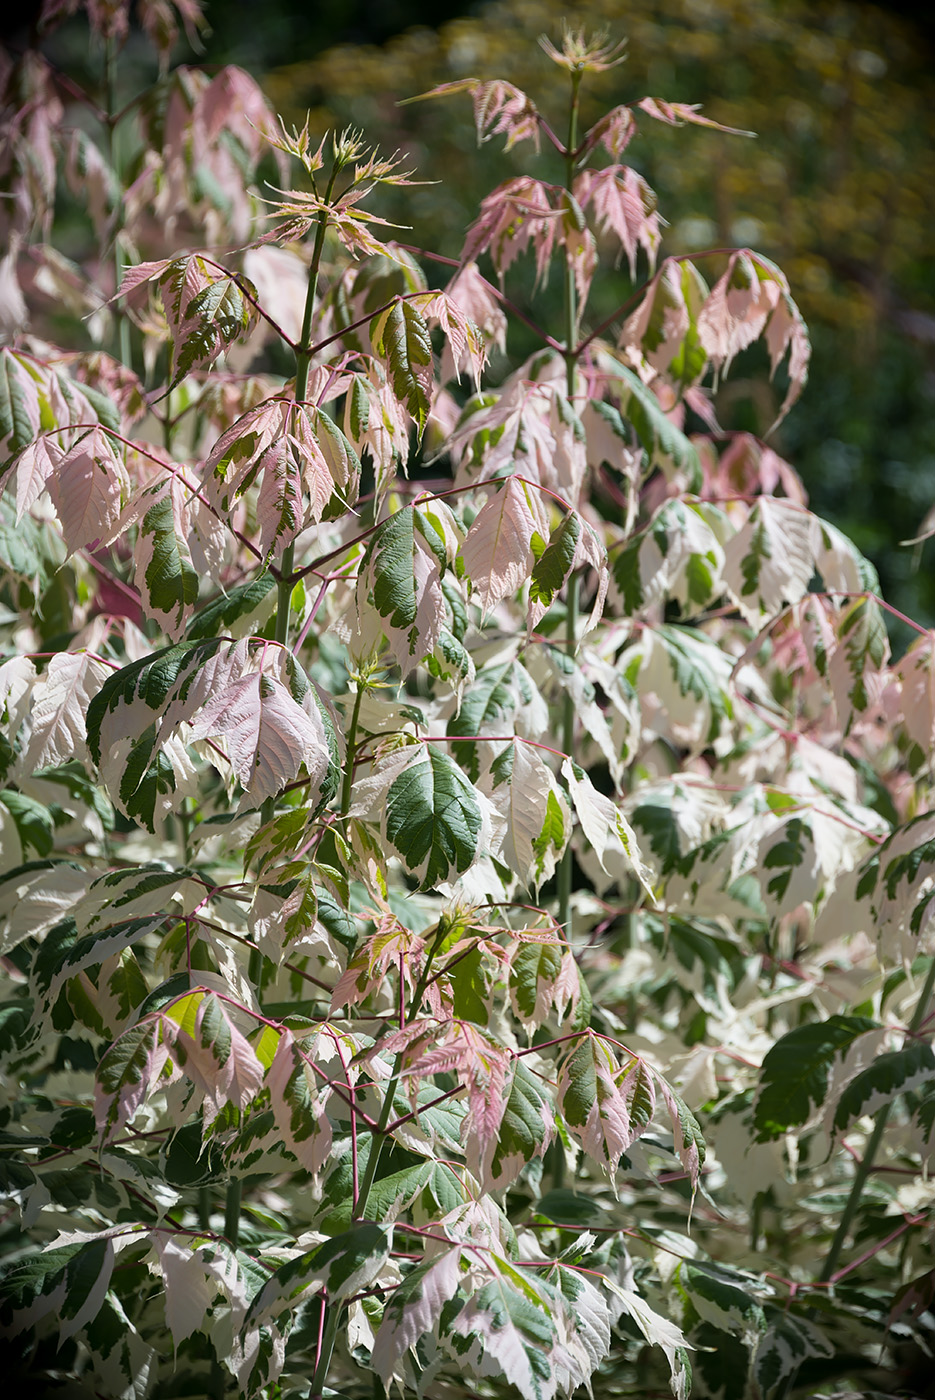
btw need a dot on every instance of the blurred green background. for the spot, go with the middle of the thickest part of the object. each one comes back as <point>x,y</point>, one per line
<point>838,187</point>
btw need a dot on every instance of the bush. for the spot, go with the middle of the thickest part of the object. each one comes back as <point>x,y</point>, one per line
<point>434,807</point>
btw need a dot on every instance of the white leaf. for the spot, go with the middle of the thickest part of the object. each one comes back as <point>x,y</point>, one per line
<point>659,1332</point>
<point>87,489</point>
<point>189,1291</point>
<point>529,847</point>
<point>268,735</point>
<point>17,678</point>
<point>93,1300</point>
<point>35,465</point>
<point>611,836</point>
<point>32,903</point>
<point>61,699</point>
<point>497,552</point>
<point>413,1311</point>
<point>916,672</point>
<point>771,559</point>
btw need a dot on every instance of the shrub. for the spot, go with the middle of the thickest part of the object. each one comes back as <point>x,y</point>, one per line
<point>424,794</point>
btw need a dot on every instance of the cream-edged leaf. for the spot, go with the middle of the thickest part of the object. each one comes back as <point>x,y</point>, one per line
<point>606,1104</point>
<point>400,582</point>
<point>536,820</point>
<point>88,489</point>
<point>497,552</point>
<point>267,734</point>
<point>610,835</point>
<point>771,559</point>
<point>413,1309</point>
<point>59,708</point>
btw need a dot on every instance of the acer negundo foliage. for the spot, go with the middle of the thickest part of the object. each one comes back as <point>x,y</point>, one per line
<point>398,881</point>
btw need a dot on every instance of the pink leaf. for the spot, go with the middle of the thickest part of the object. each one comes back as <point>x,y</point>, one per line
<point>298,1105</point>
<point>624,203</point>
<point>752,297</point>
<point>268,736</point>
<point>87,490</point>
<point>661,326</point>
<point>615,130</point>
<point>497,553</point>
<point>512,216</point>
<point>471,293</point>
<point>916,672</point>
<point>134,277</point>
<point>60,704</point>
<point>678,113</point>
<point>499,109</point>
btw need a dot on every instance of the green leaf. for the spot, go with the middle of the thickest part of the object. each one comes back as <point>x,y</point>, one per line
<point>555,563</point>
<point>722,1361</point>
<point>170,583</point>
<point>151,680</point>
<point>15,420</point>
<point>394,589</point>
<point>433,817</point>
<point>568,1208</point>
<point>401,337</point>
<point>63,955</point>
<point>206,311</point>
<point>470,987</point>
<point>277,838</point>
<point>486,701</point>
<point>787,1343</point>
<point>31,550</point>
<point>721,1297</point>
<point>863,640</point>
<point>515,1331</point>
<point>523,1133</point>
<point>895,1072</point>
<point>243,602</point>
<point>107,411</point>
<point>700,669</point>
<point>628,576</point>
<point>414,1309</point>
<point>303,1127</point>
<point>124,1074</point>
<point>534,971</point>
<point>27,1281</point>
<point>794,1076</point>
<point>661,826</point>
<point>665,446</point>
<point>74,779</point>
<point>34,823</point>
<point>606,1106</point>
<point>389,1195</point>
<point>342,1266</point>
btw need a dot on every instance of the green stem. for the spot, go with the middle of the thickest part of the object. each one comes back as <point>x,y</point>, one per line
<point>303,360</point>
<point>232,1212</point>
<point>351,748</point>
<point>303,354</point>
<point>283,611</point>
<point>870,1151</point>
<point>328,1339</point>
<point>284,594</point>
<point>564,879</point>
<point>110,84</point>
<point>568,739</point>
<point>386,1111</point>
<point>333,1314</point>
